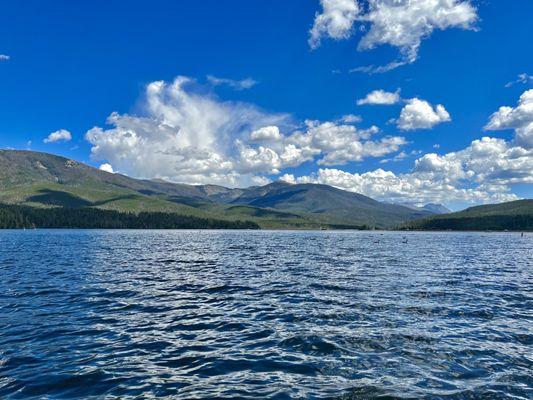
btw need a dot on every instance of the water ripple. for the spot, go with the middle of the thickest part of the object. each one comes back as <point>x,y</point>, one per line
<point>278,315</point>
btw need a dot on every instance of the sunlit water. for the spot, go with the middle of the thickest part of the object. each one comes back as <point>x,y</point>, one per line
<point>207,314</point>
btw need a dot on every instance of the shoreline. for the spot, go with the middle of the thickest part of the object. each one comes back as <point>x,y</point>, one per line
<point>269,230</point>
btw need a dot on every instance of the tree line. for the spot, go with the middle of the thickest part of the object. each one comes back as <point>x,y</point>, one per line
<point>19,217</point>
<point>482,223</point>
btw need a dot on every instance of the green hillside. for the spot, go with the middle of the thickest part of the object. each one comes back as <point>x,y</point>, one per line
<point>47,181</point>
<point>327,203</point>
<point>512,216</point>
<point>40,180</point>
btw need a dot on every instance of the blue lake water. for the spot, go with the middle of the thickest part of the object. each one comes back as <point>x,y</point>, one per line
<point>281,315</point>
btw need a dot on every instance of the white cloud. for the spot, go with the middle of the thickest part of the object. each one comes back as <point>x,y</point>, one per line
<point>399,23</point>
<point>519,118</point>
<point>340,144</point>
<point>400,156</point>
<point>289,178</point>
<point>351,119</point>
<point>487,161</point>
<point>404,23</point>
<point>188,137</point>
<point>61,135</point>
<point>522,78</point>
<point>107,168</point>
<point>4,57</point>
<point>480,173</point>
<point>380,97</point>
<point>183,136</point>
<point>327,143</point>
<point>419,114</point>
<point>243,84</point>
<point>336,21</point>
<point>266,134</point>
<point>387,186</point>
<point>483,172</point>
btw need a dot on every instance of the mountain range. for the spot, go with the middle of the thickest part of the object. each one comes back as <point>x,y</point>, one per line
<point>42,180</point>
<point>40,189</point>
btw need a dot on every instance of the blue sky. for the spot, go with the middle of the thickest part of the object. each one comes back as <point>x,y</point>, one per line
<point>68,66</point>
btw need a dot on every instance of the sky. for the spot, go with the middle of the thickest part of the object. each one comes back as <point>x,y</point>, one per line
<point>405,101</point>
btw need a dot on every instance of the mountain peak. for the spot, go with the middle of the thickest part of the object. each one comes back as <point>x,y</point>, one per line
<point>436,208</point>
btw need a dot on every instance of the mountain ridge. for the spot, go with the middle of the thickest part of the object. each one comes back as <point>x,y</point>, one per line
<point>39,179</point>
<point>513,216</point>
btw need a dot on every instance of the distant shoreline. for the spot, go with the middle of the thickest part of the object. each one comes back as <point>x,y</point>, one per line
<point>268,230</point>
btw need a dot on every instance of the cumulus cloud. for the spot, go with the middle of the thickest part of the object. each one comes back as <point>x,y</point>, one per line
<point>519,118</point>
<point>380,97</point>
<point>398,188</point>
<point>185,135</point>
<point>419,114</point>
<point>404,23</point>
<point>191,137</point>
<point>4,57</point>
<point>182,135</point>
<point>336,21</point>
<point>61,135</point>
<point>107,168</point>
<point>266,134</point>
<point>243,84</point>
<point>482,172</point>
<point>339,144</point>
<point>399,23</point>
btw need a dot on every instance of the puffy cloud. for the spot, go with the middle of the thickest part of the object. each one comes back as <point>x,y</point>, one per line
<point>419,114</point>
<point>188,137</point>
<point>356,151</point>
<point>486,162</point>
<point>61,135</point>
<point>183,135</point>
<point>380,97</point>
<point>387,186</point>
<point>266,133</point>
<point>243,84</point>
<point>399,23</point>
<point>524,136</point>
<point>519,118</point>
<point>107,168</point>
<point>4,57</point>
<point>404,23</point>
<point>335,21</point>
<point>332,143</point>
<point>289,178</point>
<point>262,159</point>
<point>340,144</point>
<point>480,173</point>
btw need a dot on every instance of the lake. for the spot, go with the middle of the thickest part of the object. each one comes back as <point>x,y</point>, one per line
<point>265,314</point>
